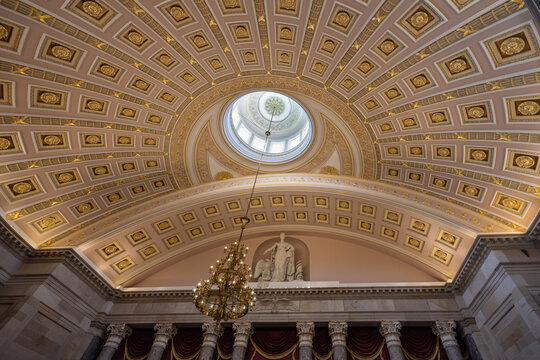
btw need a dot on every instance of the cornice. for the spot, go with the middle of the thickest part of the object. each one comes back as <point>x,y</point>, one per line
<point>481,248</point>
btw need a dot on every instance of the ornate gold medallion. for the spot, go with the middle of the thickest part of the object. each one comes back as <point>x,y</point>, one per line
<point>439,182</point>
<point>416,151</point>
<point>114,197</point>
<point>128,166</point>
<point>414,176</point>
<point>124,140</point>
<point>141,84</point>
<point>149,141</point>
<point>419,19</point>
<point>387,46</point>
<point>166,59</point>
<point>457,66</point>
<point>138,236</point>
<point>393,172</point>
<point>524,161</point>
<point>512,46</point>
<point>528,108</point>
<point>393,150</point>
<point>100,170</point>
<point>419,81</point>
<point>371,104</point>
<point>84,208</point>
<point>22,188</point>
<point>438,117</point>
<point>154,119</point>
<point>392,93</point>
<point>479,155</point>
<point>93,9</point>
<point>52,140</point>
<point>107,70</point>
<point>386,127</point>
<point>342,18</point>
<point>409,122</point>
<point>61,52</point>
<point>177,13</point>
<point>138,189</point>
<point>471,190</point>
<point>128,112</point>
<point>364,67</point>
<point>476,112</point>
<point>92,139</point>
<point>47,222</point>
<point>49,98</point>
<point>111,249</point>
<point>94,105</point>
<point>444,152</point>
<point>4,32</point>
<point>510,203</point>
<point>135,37</point>
<point>4,144</point>
<point>65,177</point>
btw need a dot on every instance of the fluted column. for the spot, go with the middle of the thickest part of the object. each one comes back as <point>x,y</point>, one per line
<point>390,330</point>
<point>305,331</point>
<point>242,332</point>
<point>338,333</point>
<point>212,332</point>
<point>445,331</point>
<point>164,332</point>
<point>117,332</point>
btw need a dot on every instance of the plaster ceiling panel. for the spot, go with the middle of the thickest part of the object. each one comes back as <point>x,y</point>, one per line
<point>101,108</point>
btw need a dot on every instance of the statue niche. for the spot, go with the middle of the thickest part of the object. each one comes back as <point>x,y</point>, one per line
<point>282,260</point>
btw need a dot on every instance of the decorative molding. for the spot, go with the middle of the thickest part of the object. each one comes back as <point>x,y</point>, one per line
<point>305,331</point>
<point>242,333</point>
<point>338,332</point>
<point>390,329</point>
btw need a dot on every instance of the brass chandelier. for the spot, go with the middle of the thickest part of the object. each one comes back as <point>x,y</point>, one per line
<point>225,294</point>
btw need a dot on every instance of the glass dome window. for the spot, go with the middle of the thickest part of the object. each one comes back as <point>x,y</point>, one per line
<point>247,118</point>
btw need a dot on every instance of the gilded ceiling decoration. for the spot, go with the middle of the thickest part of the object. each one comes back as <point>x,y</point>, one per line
<point>111,138</point>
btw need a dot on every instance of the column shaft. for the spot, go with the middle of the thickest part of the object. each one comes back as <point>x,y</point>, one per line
<point>445,331</point>
<point>212,332</point>
<point>92,351</point>
<point>163,333</point>
<point>305,331</point>
<point>117,332</point>
<point>390,330</point>
<point>338,333</point>
<point>106,353</point>
<point>242,333</point>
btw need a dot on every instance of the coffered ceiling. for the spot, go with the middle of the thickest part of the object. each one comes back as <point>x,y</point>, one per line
<point>426,120</point>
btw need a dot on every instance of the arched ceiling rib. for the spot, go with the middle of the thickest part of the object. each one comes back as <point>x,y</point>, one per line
<point>436,102</point>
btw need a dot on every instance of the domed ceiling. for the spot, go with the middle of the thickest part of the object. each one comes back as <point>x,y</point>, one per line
<point>425,125</point>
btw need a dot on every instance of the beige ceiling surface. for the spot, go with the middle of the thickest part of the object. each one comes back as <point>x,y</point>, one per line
<point>426,116</point>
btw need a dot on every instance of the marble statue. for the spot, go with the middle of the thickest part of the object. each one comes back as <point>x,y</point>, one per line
<point>281,265</point>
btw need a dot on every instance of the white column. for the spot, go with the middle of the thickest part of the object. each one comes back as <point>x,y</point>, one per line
<point>164,332</point>
<point>242,333</point>
<point>445,331</point>
<point>212,332</point>
<point>390,330</point>
<point>338,333</point>
<point>117,332</point>
<point>305,331</point>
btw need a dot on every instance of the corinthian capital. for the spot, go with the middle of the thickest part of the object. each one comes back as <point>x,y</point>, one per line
<point>305,331</point>
<point>121,330</point>
<point>390,330</point>
<point>445,330</point>
<point>242,332</point>
<point>390,327</point>
<point>166,329</point>
<point>338,332</point>
<point>212,332</point>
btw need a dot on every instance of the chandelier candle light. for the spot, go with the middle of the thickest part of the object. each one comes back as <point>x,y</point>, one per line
<point>225,294</point>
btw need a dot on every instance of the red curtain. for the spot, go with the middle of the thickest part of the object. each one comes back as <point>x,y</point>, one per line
<point>225,345</point>
<point>137,345</point>
<point>365,342</point>
<point>187,343</point>
<point>273,344</point>
<point>421,343</point>
<point>322,344</point>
